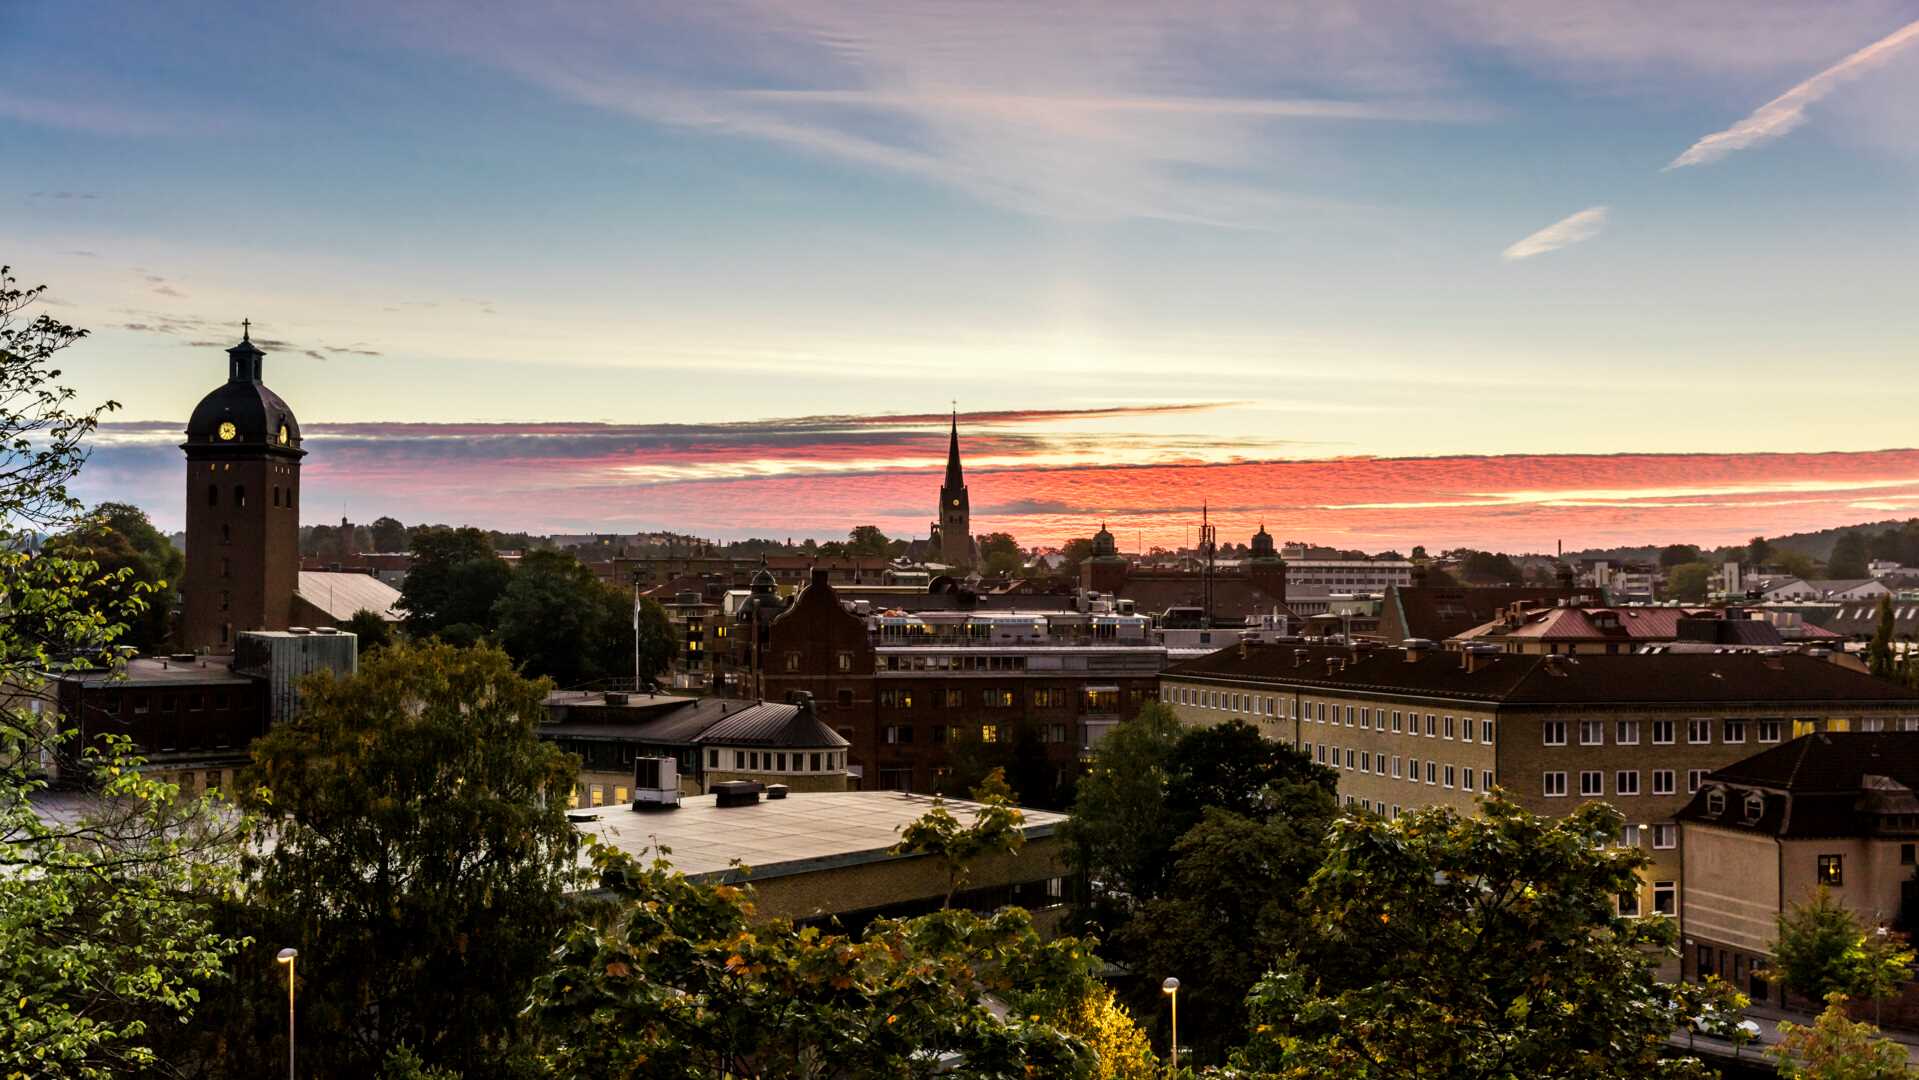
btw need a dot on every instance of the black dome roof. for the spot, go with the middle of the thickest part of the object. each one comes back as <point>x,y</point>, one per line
<point>256,413</point>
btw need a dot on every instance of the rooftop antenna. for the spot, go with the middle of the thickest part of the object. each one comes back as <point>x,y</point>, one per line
<point>1206,545</point>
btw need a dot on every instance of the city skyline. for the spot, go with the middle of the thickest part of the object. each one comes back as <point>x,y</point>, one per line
<point>1477,246</point>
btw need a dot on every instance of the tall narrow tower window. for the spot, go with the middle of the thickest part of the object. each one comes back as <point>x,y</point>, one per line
<point>213,494</point>
<point>240,495</point>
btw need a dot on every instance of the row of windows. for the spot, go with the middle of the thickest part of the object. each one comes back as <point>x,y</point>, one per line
<point>240,496</point>
<point>776,761</point>
<point>903,734</point>
<point>1057,697</point>
<point>1370,719</point>
<point>954,663</point>
<point>1438,774</point>
<point>1592,782</point>
<point>1665,900</point>
<point>1363,717</point>
<point>1699,730</point>
<point>173,702</point>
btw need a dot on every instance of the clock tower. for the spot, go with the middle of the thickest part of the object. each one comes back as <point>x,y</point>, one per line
<point>243,509</point>
<point>955,517</point>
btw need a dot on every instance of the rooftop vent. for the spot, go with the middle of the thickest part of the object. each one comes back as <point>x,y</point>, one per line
<point>656,783</point>
<point>775,791</point>
<point>617,697</point>
<point>326,629</point>
<point>729,793</point>
<point>299,630</point>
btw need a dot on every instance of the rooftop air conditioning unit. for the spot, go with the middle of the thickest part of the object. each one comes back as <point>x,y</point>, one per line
<point>656,783</point>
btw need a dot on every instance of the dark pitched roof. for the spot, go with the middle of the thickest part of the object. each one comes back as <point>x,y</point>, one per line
<point>703,721</point>
<point>1835,783</point>
<point>1511,679</point>
<point>1235,597</point>
<point>776,725</point>
<point>1439,612</point>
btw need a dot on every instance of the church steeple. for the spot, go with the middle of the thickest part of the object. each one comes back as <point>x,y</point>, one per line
<point>955,520</point>
<point>955,481</point>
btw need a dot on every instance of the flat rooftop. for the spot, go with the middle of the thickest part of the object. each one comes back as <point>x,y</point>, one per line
<point>154,671</point>
<point>804,832</point>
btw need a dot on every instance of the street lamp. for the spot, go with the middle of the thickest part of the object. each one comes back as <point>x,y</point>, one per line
<point>287,956</point>
<point>1171,989</point>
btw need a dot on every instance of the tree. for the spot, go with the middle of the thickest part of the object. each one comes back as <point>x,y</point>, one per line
<point>387,534</point>
<point>1118,838</point>
<point>1848,556</point>
<point>1120,1049</point>
<point>452,585</point>
<point>415,849</point>
<point>867,540</point>
<point>995,830</point>
<point>136,568</point>
<point>685,981</point>
<point>371,628</point>
<point>1689,582</point>
<point>1678,554</point>
<point>1075,552</point>
<point>1879,651</point>
<point>1821,949</point>
<point>104,933</point>
<point>1238,872</point>
<point>561,621</point>
<point>1758,552</point>
<point>1797,563</point>
<point>1484,946</point>
<point>1482,566</point>
<point>1835,1047</point>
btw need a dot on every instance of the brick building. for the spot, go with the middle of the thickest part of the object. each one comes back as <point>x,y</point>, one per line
<point>1408,728</point>
<point>913,691</point>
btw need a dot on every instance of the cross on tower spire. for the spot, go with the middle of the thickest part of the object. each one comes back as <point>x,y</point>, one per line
<point>246,329</point>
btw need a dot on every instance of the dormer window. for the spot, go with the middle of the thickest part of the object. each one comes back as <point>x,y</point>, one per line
<point>1755,807</point>
<point>1716,801</point>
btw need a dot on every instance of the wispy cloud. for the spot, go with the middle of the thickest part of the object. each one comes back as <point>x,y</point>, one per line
<point>97,118</point>
<point>1569,230</point>
<point>1788,111</point>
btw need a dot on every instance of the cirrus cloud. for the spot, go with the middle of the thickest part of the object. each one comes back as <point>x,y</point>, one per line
<point>1568,230</point>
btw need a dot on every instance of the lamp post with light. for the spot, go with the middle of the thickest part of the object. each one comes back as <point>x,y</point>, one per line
<point>287,957</point>
<point>1171,989</point>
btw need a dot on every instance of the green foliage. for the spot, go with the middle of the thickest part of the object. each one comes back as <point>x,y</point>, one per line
<point>1821,949</point>
<point>1472,947</point>
<point>1119,837</point>
<point>1488,566</point>
<point>684,981</point>
<point>419,855</point>
<point>1758,551</point>
<point>1797,563</point>
<point>1689,582</point>
<point>1239,872</point>
<point>373,631</point>
<point>1837,1048</point>
<point>1076,552</point>
<point>105,933</point>
<point>559,620</point>
<point>1151,780</point>
<point>452,585</point>
<point>1848,556</point>
<point>867,540</point>
<point>137,570</point>
<point>995,830</point>
<point>387,534</point>
<point>1879,656</point>
<point>1678,555</point>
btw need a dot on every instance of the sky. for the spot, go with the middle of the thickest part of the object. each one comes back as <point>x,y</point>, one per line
<point>1445,272</point>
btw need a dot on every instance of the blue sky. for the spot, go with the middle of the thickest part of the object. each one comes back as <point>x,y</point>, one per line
<point>1457,227</point>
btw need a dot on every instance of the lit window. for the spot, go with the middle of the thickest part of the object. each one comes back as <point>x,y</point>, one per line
<point>1832,870</point>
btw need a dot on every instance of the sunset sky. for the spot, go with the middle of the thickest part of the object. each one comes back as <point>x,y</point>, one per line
<point>1457,271</point>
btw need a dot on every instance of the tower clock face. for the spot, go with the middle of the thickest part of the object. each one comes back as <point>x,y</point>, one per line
<point>285,436</point>
<point>955,502</point>
<point>228,431</point>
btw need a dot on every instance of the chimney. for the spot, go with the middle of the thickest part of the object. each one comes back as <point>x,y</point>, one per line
<point>1300,657</point>
<point>1335,665</point>
<point>1245,647</point>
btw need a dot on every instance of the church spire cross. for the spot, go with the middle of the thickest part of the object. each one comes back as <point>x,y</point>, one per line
<point>246,329</point>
